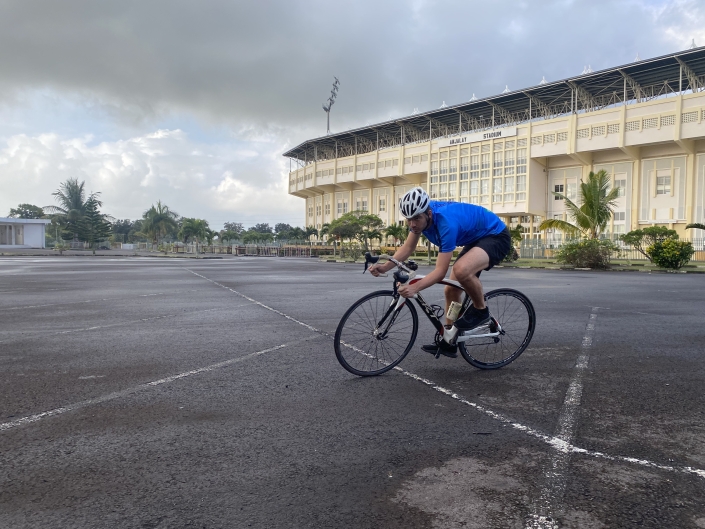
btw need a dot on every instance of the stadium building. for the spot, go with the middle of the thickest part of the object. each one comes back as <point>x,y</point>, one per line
<point>643,123</point>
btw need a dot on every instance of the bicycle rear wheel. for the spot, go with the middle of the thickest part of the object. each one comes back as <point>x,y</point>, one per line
<point>372,337</point>
<point>517,319</point>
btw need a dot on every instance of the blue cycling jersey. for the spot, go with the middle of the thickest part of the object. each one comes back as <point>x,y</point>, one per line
<point>457,224</point>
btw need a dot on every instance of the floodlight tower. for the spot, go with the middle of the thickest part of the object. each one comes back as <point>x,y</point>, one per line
<point>330,102</point>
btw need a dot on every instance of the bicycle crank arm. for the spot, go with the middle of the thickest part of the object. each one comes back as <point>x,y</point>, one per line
<point>466,337</point>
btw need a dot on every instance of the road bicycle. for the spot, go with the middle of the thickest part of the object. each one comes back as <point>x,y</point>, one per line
<point>379,329</point>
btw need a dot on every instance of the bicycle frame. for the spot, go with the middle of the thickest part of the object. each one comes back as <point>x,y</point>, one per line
<point>408,275</point>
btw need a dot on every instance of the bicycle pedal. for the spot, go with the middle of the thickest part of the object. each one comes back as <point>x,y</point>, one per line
<point>438,354</point>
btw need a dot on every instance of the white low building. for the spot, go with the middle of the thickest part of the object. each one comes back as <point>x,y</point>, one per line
<point>22,233</point>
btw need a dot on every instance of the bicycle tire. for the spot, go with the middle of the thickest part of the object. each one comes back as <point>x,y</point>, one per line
<point>362,352</point>
<point>515,314</point>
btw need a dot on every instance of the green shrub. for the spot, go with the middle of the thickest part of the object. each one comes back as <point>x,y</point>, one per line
<point>671,253</point>
<point>512,256</point>
<point>588,253</point>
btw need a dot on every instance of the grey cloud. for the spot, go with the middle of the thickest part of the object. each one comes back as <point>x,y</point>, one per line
<point>271,62</point>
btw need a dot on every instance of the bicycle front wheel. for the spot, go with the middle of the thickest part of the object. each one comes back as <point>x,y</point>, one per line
<point>517,319</point>
<point>372,336</point>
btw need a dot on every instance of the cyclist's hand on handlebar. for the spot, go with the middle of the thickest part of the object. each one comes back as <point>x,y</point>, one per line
<point>407,291</point>
<point>376,270</point>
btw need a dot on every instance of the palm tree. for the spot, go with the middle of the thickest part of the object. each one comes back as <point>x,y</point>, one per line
<point>310,230</point>
<point>695,225</point>
<point>590,219</point>
<point>158,221</point>
<point>397,232</point>
<point>71,197</point>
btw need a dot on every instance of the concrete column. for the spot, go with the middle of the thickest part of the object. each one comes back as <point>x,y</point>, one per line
<point>12,232</point>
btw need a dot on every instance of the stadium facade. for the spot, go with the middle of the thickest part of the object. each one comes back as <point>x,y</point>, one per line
<point>643,123</point>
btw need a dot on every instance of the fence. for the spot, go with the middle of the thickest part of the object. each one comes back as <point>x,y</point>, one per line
<point>538,249</point>
<point>245,250</point>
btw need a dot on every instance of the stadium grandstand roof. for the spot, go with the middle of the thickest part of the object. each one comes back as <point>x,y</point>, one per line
<point>639,81</point>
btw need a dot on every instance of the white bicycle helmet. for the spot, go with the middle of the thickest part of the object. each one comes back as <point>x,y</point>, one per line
<point>414,202</point>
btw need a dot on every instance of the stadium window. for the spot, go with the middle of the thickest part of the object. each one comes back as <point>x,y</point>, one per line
<point>318,173</point>
<point>484,187</point>
<point>444,166</point>
<point>474,149</point>
<point>509,185</point>
<point>407,159</point>
<point>345,170</point>
<point>497,172</point>
<point>327,209</point>
<point>620,215</point>
<point>572,191</point>
<point>395,162</point>
<point>464,188</point>
<point>424,157</point>
<point>509,170</point>
<point>364,204</point>
<point>622,186</point>
<point>509,144</point>
<point>382,204</point>
<point>310,211</point>
<point>485,161</point>
<point>464,152</point>
<point>387,163</point>
<point>416,159</point>
<point>340,207</point>
<point>444,155</point>
<point>345,206</point>
<point>497,185</point>
<point>340,170</point>
<point>358,167</point>
<point>498,146</point>
<point>434,156</point>
<point>663,185</point>
<point>444,190</point>
<point>558,188</point>
<point>498,159</point>
<point>433,191</point>
<point>508,158</point>
<point>474,187</point>
<point>521,184</point>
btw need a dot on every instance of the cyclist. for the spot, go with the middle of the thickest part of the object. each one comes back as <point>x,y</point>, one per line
<point>485,239</point>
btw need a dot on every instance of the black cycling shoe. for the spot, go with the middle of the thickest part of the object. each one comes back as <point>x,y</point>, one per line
<point>473,318</point>
<point>451,351</point>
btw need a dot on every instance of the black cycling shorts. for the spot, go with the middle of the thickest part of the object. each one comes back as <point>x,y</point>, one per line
<point>496,246</point>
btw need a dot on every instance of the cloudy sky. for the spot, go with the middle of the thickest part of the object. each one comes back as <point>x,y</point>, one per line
<point>194,102</point>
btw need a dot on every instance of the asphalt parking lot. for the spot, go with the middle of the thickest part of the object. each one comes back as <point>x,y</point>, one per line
<point>160,393</point>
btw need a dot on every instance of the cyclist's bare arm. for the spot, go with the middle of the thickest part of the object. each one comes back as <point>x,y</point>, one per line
<point>438,273</point>
<point>400,255</point>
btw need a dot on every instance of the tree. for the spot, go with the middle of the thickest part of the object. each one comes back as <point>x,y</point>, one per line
<point>345,227</point>
<point>516,233</point>
<point>121,229</point>
<point>695,225</point>
<point>253,236</point>
<point>309,231</point>
<point>71,197</point>
<point>235,228</point>
<point>644,239</point>
<point>196,229</point>
<point>210,235</point>
<point>398,232</point>
<point>262,228</point>
<point>590,219</point>
<point>158,221</point>
<point>93,226</point>
<point>26,211</point>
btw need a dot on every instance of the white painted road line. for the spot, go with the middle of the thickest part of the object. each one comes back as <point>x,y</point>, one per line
<point>549,503</point>
<point>42,334</point>
<point>554,442</point>
<point>130,391</point>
